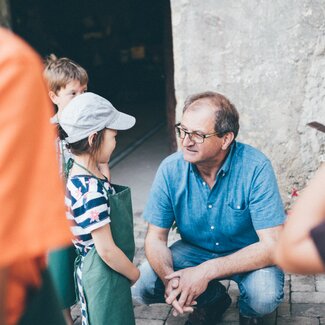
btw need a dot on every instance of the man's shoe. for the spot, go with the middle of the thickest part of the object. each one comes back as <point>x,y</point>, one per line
<point>210,314</point>
<point>244,320</point>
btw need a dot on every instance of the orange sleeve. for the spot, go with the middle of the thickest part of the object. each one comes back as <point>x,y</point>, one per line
<point>21,276</point>
<point>31,191</point>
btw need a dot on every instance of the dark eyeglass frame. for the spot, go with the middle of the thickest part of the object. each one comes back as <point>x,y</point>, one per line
<point>202,136</point>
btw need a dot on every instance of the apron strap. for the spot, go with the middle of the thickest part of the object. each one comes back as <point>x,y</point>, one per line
<point>92,174</point>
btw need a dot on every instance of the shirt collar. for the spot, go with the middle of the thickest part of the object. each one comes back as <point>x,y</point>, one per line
<point>225,166</point>
<point>227,163</point>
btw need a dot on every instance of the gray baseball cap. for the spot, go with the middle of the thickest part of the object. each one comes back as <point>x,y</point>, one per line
<point>89,113</point>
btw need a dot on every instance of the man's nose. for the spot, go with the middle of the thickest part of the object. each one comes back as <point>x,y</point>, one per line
<point>187,141</point>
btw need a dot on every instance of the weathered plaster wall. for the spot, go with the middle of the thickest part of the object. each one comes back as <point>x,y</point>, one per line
<point>268,58</point>
<point>4,13</point>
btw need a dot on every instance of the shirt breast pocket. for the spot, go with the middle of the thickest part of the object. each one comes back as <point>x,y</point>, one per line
<point>238,219</point>
<point>240,207</point>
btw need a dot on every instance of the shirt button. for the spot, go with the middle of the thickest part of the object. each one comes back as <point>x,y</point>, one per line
<point>212,227</point>
<point>238,206</point>
<point>204,183</point>
<point>217,244</point>
<point>209,206</point>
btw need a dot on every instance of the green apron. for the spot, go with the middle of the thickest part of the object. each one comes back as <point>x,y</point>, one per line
<point>42,305</point>
<point>108,293</point>
<point>61,267</point>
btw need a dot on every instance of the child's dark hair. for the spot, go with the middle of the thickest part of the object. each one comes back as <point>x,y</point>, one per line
<point>61,133</point>
<point>82,146</point>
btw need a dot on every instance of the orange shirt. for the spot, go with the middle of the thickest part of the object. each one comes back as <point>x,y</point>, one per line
<point>31,191</point>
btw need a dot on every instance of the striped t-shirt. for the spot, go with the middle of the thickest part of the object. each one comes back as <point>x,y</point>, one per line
<point>87,208</point>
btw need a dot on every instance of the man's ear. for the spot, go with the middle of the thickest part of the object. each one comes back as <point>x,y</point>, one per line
<point>53,97</point>
<point>227,140</point>
<point>92,138</point>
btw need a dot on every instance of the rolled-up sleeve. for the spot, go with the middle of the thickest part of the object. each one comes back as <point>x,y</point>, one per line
<point>265,202</point>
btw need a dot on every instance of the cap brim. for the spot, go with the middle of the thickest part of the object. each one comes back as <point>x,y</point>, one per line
<point>123,122</point>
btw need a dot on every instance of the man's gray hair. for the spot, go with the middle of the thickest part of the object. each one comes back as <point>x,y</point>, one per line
<point>226,114</point>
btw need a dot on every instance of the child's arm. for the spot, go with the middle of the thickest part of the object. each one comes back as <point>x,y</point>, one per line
<point>112,255</point>
<point>296,251</point>
<point>104,169</point>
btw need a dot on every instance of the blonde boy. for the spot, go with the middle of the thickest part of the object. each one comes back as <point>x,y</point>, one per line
<point>66,79</point>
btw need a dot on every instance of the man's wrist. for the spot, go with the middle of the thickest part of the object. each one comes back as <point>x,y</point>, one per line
<point>164,274</point>
<point>208,271</point>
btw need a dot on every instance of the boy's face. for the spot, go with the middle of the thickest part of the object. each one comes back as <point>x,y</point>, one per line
<point>64,95</point>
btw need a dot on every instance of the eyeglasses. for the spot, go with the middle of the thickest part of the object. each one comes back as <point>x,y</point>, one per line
<point>193,136</point>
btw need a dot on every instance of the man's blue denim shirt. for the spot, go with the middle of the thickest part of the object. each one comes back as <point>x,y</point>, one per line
<point>245,198</point>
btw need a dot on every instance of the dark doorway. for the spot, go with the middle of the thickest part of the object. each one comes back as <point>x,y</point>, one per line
<point>126,47</point>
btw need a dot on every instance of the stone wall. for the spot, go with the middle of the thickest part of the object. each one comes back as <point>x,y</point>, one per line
<point>268,58</point>
<point>4,13</point>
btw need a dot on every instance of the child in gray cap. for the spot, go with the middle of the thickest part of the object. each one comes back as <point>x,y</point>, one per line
<point>100,213</point>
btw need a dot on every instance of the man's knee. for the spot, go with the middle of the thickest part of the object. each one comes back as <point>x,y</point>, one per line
<point>263,291</point>
<point>264,303</point>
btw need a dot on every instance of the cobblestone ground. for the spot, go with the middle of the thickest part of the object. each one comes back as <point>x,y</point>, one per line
<point>304,302</point>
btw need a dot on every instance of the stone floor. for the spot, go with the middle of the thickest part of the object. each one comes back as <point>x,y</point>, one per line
<point>304,301</point>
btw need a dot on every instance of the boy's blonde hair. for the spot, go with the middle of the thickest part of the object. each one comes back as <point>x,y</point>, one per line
<point>59,72</point>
